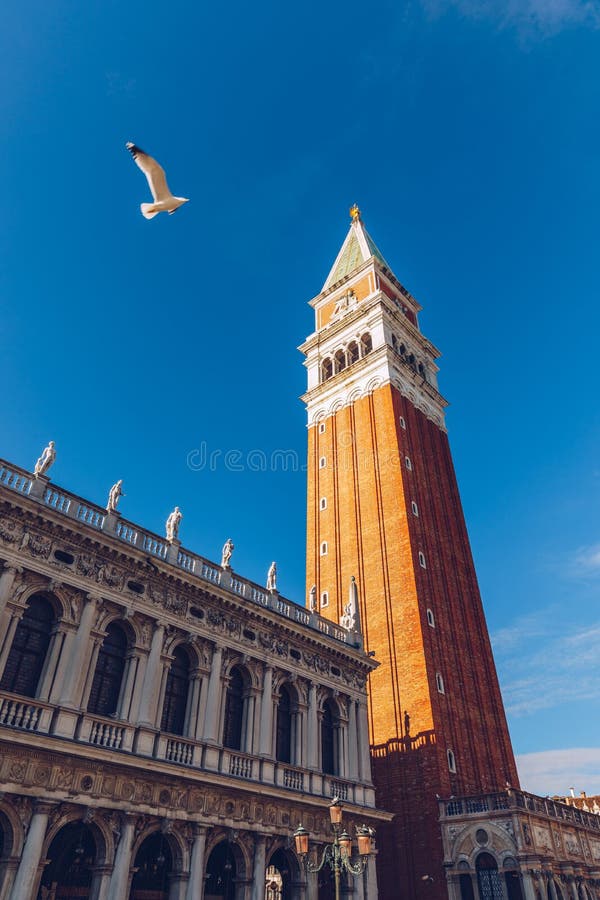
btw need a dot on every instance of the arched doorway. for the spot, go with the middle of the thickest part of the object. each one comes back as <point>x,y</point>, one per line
<point>512,878</point>
<point>281,876</point>
<point>153,867</point>
<point>221,873</point>
<point>71,859</point>
<point>488,878</point>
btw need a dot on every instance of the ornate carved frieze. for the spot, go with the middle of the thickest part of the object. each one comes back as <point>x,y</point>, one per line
<point>198,606</point>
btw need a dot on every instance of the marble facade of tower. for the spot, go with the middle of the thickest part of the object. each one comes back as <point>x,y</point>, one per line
<point>384,507</point>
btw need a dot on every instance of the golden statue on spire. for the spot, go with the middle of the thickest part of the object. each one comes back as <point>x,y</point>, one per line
<point>355,213</point>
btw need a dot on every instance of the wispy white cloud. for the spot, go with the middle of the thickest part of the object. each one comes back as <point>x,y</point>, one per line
<point>585,561</point>
<point>544,662</point>
<point>542,16</point>
<point>556,771</point>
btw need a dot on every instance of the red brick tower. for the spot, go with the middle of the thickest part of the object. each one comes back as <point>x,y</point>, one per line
<point>384,506</point>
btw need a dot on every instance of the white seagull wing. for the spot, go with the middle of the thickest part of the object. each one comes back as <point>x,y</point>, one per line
<point>153,172</point>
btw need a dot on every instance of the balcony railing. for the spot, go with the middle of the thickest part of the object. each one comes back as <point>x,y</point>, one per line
<point>511,799</point>
<point>88,514</point>
<point>24,714</point>
<point>120,736</point>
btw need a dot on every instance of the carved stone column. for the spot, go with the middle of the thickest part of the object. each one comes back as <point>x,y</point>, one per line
<point>528,888</point>
<point>266,714</point>
<point>150,688</point>
<point>195,886</point>
<point>370,880</point>
<point>119,880</point>
<point>300,736</point>
<point>364,755</point>
<point>26,878</point>
<point>12,618</point>
<point>74,663</point>
<point>213,700</point>
<point>7,579</point>
<point>313,728</point>
<point>259,868</point>
<point>352,741</point>
<point>72,687</point>
<point>193,717</point>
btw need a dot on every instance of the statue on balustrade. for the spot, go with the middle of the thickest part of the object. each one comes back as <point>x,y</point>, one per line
<point>46,459</point>
<point>115,493</point>
<point>312,599</point>
<point>173,523</point>
<point>228,548</point>
<point>272,578</point>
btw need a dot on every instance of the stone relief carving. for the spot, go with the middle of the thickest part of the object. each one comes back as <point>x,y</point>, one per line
<point>11,530</point>
<point>269,641</point>
<point>89,566</point>
<point>36,544</point>
<point>316,663</point>
<point>24,808</point>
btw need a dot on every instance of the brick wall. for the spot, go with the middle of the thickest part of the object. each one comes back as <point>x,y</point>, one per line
<point>373,533</point>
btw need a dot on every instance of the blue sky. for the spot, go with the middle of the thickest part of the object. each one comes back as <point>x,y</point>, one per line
<point>469,134</point>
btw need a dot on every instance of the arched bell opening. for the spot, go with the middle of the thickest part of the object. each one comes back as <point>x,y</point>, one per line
<point>153,868</point>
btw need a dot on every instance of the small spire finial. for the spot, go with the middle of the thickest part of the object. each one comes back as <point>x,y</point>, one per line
<point>355,213</point>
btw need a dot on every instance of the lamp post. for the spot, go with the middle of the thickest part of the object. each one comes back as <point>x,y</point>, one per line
<point>337,855</point>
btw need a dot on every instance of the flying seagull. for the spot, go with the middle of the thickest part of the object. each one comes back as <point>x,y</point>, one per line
<point>164,201</point>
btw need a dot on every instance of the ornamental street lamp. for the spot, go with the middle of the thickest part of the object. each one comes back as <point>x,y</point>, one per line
<point>338,854</point>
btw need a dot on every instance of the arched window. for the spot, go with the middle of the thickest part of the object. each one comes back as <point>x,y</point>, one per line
<point>366,344</point>
<point>29,648</point>
<point>466,887</point>
<point>352,352</point>
<point>283,749</point>
<point>106,686</point>
<point>488,879</point>
<point>234,710</point>
<point>176,693</point>
<point>329,724</point>
<point>451,760</point>
<point>340,361</point>
<point>326,369</point>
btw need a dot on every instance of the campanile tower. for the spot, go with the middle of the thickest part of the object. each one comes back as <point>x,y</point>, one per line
<point>384,507</point>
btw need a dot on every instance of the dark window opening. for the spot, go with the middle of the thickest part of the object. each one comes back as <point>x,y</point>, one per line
<point>176,693</point>
<point>29,648</point>
<point>284,727</point>
<point>234,711</point>
<point>328,727</point>
<point>106,686</point>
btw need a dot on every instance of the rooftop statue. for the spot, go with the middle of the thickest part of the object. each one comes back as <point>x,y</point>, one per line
<point>228,548</point>
<point>173,523</point>
<point>46,459</point>
<point>272,578</point>
<point>115,493</point>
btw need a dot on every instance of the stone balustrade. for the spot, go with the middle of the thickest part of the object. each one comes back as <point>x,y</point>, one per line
<point>96,518</point>
<point>516,799</point>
